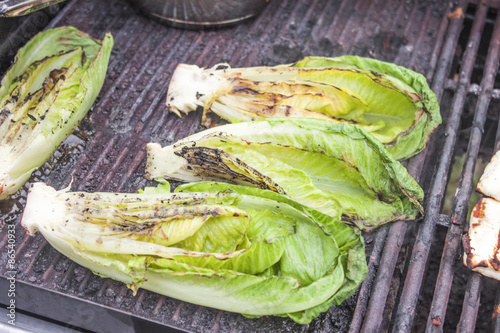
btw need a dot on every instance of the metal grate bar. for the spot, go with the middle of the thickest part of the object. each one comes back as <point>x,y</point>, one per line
<point>246,54</point>
<point>474,89</point>
<point>496,315</point>
<point>216,325</point>
<point>450,45</point>
<point>49,272</point>
<point>374,315</point>
<point>373,263</point>
<point>470,307</point>
<point>155,79</point>
<point>464,189</point>
<point>492,3</point>
<point>147,116</point>
<point>399,13</point>
<point>40,248</point>
<point>417,266</point>
<point>380,23</point>
<point>414,33</point>
<point>439,44</point>
<point>366,287</point>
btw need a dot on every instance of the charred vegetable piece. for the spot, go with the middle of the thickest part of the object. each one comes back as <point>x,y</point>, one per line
<point>336,168</point>
<point>391,102</point>
<point>481,243</point>
<point>50,87</point>
<point>233,248</point>
<point>489,183</point>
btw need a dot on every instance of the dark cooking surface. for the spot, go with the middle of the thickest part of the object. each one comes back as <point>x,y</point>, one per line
<point>107,151</point>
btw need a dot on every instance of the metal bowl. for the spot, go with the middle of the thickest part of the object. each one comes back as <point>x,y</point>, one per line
<point>197,14</point>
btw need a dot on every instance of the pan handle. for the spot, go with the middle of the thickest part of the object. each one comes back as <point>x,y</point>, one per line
<point>10,8</point>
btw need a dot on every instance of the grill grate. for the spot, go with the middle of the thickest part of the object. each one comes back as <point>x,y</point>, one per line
<point>458,217</point>
<point>107,154</point>
<point>407,305</point>
<point>418,261</point>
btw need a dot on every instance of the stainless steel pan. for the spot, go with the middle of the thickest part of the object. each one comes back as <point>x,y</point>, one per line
<point>179,13</point>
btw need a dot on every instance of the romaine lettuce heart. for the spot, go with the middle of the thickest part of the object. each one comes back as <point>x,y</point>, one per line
<point>391,102</point>
<point>233,248</point>
<point>336,168</point>
<point>53,82</point>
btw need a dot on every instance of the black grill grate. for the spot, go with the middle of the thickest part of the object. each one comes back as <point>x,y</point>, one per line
<point>455,45</point>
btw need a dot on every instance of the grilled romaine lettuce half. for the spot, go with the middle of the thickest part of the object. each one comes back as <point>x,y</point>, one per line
<point>391,102</point>
<point>234,248</point>
<point>50,87</point>
<point>336,168</point>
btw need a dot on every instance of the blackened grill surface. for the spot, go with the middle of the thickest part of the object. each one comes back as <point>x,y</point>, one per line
<point>107,152</point>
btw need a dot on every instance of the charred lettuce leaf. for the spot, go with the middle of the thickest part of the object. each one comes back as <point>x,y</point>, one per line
<point>391,102</point>
<point>336,168</point>
<point>233,248</point>
<point>50,87</point>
